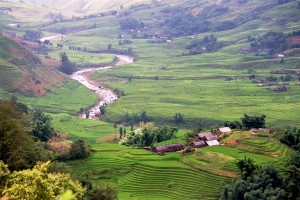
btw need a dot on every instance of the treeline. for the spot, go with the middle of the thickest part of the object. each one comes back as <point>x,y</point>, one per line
<point>265,182</point>
<point>248,122</point>
<point>272,42</point>
<point>148,134</point>
<point>26,158</point>
<point>291,137</point>
<point>131,23</point>
<point>179,20</point>
<point>207,44</point>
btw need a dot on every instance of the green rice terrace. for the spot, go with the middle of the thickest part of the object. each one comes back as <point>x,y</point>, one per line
<point>186,66</point>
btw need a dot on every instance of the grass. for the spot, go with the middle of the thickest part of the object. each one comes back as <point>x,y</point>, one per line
<point>192,85</point>
<point>82,58</point>
<point>67,99</point>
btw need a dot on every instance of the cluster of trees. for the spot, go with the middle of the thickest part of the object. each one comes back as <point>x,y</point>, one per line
<point>18,148</point>
<point>37,183</point>
<point>148,134</point>
<point>29,167</point>
<point>272,42</point>
<point>136,117</point>
<point>131,23</point>
<point>291,137</point>
<point>32,35</point>
<point>248,122</point>
<point>265,182</point>
<point>185,23</point>
<point>206,44</point>
<point>66,66</point>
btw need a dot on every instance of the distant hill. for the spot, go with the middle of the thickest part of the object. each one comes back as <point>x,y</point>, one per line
<point>84,6</point>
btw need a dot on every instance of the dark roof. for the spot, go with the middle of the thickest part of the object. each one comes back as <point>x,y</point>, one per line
<point>211,138</point>
<point>205,134</point>
<point>169,148</point>
<point>199,144</point>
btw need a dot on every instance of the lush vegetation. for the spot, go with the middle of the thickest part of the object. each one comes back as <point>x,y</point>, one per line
<point>291,138</point>
<point>37,183</point>
<point>148,134</point>
<point>205,77</point>
<point>265,182</point>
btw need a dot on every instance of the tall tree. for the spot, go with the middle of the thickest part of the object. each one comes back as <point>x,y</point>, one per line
<point>66,66</point>
<point>41,125</point>
<point>17,147</point>
<point>79,150</point>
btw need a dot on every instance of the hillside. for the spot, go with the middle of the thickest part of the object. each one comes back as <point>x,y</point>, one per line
<point>198,65</point>
<point>200,51</point>
<point>84,6</point>
<point>22,71</point>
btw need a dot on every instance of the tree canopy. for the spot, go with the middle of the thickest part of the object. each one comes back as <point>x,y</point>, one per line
<point>41,125</point>
<point>17,147</point>
<point>37,183</point>
<point>66,66</point>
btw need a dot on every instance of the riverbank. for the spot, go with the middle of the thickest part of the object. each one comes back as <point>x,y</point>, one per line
<point>105,95</point>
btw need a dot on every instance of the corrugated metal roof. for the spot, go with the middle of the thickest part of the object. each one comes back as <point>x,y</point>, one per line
<point>212,143</point>
<point>225,130</point>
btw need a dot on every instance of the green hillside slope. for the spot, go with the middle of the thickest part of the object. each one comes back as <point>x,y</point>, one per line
<point>12,55</point>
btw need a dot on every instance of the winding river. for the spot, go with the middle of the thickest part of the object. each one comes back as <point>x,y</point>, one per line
<point>105,95</point>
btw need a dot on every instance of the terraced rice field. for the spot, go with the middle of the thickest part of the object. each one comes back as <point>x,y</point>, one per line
<point>140,174</point>
<point>267,147</point>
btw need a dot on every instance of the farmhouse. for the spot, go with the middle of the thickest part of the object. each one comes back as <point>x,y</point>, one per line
<point>198,144</point>
<point>208,139</point>
<point>223,130</point>
<point>168,148</point>
<point>205,136</point>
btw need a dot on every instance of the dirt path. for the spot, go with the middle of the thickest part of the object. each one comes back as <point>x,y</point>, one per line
<point>105,95</point>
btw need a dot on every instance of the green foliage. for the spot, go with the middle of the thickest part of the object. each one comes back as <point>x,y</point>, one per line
<point>4,173</point>
<point>275,42</point>
<point>66,66</point>
<point>253,121</point>
<point>178,118</point>
<point>39,184</point>
<point>291,138</point>
<point>79,150</point>
<point>32,35</point>
<point>146,136</point>
<point>130,23</point>
<point>17,147</point>
<point>246,167</point>
<point>292,176</point>
<point>41,126</point>
<point>207,44</point>
<point>102,193</point>
<point>265,184</point>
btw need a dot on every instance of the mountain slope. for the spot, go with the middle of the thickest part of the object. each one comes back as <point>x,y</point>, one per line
<point>22,71</point>
<point>85,6</point>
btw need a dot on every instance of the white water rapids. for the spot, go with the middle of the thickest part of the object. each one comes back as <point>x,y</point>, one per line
<point>105,95</point>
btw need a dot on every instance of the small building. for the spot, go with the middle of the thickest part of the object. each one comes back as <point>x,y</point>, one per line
<point>198,144</point>
<point>168,148</point>
<point>212,143</point>
<point>280,55</point>
<point>225,130</point>
<point>206,136</point>
<point>221,131</point>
